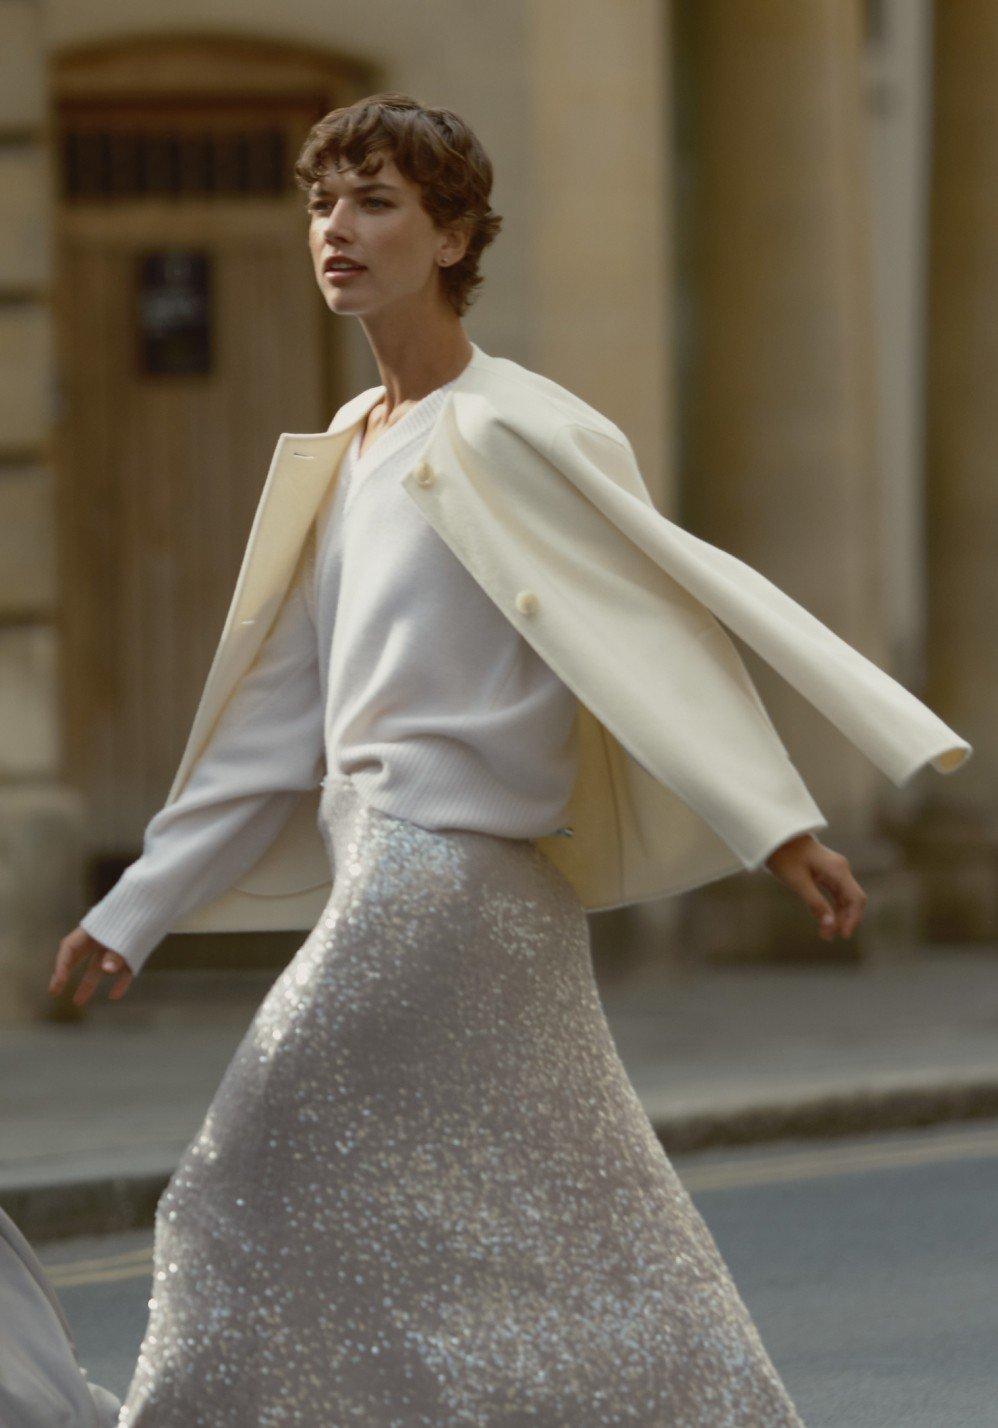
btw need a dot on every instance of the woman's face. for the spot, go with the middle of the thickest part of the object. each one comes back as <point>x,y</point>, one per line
<point>379,222</point>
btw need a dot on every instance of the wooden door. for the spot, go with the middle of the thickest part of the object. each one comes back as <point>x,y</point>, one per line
<point>191,332</point>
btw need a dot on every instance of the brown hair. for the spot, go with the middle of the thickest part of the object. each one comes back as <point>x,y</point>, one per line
<point>433,148</point>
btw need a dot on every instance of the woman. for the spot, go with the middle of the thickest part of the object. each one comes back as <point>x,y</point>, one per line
<point>425,1191</point>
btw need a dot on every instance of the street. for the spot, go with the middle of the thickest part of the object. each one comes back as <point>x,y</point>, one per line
<point>868,1264</point>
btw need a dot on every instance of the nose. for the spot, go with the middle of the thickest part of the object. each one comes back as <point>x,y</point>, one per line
<point>332,233</point>
<point>332,218</point>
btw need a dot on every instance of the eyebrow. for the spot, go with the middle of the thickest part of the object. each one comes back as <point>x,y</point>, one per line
<point>316,189</point>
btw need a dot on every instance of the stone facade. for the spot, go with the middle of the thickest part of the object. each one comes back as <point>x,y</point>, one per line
<point>717,229</point>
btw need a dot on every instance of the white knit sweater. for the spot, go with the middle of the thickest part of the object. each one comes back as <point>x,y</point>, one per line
<point>386,662</point>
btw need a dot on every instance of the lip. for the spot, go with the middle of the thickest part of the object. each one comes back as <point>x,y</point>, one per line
<point>328,268</point>
<point>342,275</point>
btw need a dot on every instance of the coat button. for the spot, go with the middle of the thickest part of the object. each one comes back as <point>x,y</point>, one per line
<point>424,474</point>
<point>526,602</point>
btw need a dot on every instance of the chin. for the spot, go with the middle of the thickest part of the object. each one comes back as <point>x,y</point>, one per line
<point>336,302</point>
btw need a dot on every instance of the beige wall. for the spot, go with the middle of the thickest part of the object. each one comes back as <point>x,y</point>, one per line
<point>39,817</point>
<point>28,695</point>
<point>601,215</point>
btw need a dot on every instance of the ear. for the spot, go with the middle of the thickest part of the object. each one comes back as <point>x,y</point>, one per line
<point>458,236</point>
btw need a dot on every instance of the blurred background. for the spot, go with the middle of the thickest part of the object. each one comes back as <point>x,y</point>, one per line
<point>761,236</point>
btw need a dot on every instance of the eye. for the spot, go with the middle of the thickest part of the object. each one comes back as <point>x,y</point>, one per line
<point>318,203</point>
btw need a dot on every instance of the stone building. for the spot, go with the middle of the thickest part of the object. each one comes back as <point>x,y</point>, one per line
<point>757,235</point>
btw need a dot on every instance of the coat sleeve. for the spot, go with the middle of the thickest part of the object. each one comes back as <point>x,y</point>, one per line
<point>694,719</point>
<point>266,748</point>
<point>894,729</point>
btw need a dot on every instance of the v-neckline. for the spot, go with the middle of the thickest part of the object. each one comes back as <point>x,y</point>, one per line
<point>393,437</point>
<point>434,398</point>
<point>362,450</point>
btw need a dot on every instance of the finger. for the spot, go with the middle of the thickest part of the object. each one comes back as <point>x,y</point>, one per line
<point>849,897</point>
<point>833,886</point>
<point>807,889</point>
<point>70,952</point>
<point>115,965</point>
<point>120,984</point>
<point>89,980</point>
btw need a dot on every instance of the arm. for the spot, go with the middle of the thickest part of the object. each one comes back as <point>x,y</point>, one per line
<point>266,748</point>
<point>881,717</point>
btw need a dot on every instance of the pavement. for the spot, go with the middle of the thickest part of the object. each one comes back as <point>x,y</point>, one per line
<point>95,1113</point>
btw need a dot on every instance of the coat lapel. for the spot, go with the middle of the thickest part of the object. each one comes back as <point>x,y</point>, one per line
<point>301,468</point>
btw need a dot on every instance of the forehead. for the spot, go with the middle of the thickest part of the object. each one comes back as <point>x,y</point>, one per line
<point>386,177</point>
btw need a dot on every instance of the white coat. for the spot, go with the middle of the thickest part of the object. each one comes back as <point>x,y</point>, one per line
<point>682,777</point>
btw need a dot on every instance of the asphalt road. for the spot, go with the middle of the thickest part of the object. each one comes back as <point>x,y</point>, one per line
<point>870,1266</point>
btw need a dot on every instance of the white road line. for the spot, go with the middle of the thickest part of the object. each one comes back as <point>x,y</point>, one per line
<point>835,1160</point>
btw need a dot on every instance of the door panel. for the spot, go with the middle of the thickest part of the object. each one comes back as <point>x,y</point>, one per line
<point>160,474</point>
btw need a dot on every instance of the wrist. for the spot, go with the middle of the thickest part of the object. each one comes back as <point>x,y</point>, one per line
<point>789,846</point>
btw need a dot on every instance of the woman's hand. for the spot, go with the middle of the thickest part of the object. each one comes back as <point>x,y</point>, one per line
<point>823,881</point>
<point>72,949</point>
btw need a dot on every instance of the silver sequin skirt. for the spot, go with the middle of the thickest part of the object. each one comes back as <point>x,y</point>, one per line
<point>426,1193</point>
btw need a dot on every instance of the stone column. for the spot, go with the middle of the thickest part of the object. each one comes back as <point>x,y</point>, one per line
<point>780,461</point>
<point>600,248</point>
<point>600,201</point>
<point>955,841</point>
<point>40,860</point>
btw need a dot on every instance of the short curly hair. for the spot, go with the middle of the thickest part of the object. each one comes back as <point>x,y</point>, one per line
<point>433,148</point>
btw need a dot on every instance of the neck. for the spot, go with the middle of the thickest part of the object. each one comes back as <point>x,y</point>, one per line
<point>417,361</point>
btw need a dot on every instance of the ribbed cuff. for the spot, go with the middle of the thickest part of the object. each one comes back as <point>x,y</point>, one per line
<point>132,920</point>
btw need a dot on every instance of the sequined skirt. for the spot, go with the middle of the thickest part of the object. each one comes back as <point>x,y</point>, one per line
<point>426,1192</point>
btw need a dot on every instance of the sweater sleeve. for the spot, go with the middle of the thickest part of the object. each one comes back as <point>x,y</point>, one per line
<point>267,747</point>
